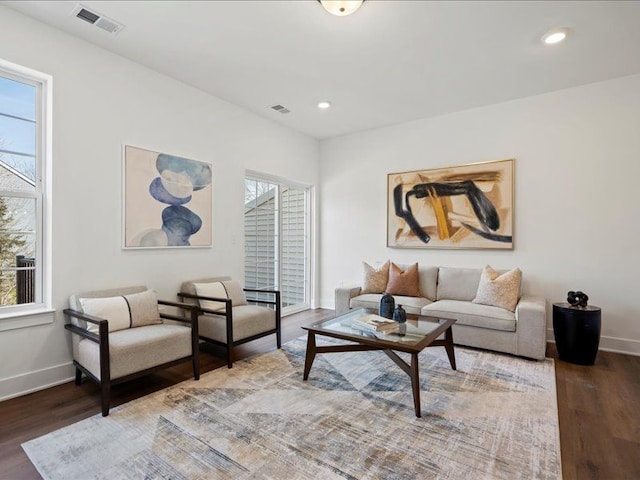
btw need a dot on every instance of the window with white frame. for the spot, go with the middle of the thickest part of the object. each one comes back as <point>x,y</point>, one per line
<point>24,97</point>
<point>276,238</point>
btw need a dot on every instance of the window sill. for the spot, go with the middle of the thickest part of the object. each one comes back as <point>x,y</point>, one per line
<point>32,318</point>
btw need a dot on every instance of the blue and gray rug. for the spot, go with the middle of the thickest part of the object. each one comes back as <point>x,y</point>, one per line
<point>494,418</point>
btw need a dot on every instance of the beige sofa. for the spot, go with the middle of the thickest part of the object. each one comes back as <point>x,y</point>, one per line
<point>448,293</point>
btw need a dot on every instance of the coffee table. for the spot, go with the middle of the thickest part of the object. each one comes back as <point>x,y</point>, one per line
<point>411,337</point>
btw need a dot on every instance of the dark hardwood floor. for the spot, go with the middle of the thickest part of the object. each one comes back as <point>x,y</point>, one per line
<point>598,408</point>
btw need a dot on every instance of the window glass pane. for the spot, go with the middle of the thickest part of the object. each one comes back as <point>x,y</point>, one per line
<point>260,235</point>
<point>17,135</point>
<point>293,247</point>
<point>275,240</point>
<point>17,99</point>
<point>17,172</point>
<point>17,250</point>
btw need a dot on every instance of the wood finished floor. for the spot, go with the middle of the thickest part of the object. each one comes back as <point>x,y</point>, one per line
<point>598,409</point>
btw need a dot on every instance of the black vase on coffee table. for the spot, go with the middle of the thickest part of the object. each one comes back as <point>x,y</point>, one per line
<point>387,305</point>
<point>399,314</point>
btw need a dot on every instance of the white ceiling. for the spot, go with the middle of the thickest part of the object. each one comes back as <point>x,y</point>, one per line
<point>390,62</point>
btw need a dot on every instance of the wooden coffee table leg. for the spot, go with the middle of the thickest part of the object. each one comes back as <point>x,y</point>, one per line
<point>448,345</point>
<point>311,354</point>
<point>415,383</point>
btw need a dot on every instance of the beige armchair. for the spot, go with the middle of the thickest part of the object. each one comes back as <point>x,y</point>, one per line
<point>227,318</point>
<point>120,334</point>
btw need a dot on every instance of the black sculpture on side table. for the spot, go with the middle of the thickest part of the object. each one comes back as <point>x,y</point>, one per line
<point>576,327</point>
<point>577,299</point>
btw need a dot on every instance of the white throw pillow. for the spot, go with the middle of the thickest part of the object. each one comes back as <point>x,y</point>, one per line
<point>499,290</point>
<point>213,289</point>
<point>113,309</point>
<point>143,308</point>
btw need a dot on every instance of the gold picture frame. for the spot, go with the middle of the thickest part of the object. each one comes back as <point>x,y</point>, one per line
<point>460,207</point>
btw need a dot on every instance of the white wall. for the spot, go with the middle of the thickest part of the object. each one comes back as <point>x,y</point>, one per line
<point>100,102</point>
<point>577,206</point>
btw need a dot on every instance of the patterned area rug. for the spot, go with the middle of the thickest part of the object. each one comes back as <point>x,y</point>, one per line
<point>495,417</point>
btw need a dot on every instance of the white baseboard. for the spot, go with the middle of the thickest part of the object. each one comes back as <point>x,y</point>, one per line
<point>38,380</point>
<point>327,303</point>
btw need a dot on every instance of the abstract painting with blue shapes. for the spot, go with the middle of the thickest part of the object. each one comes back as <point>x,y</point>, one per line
<point>167,200</point>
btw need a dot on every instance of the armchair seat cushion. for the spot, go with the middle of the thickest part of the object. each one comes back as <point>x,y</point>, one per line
<point>248,320</point>
<point>371,301</point>
<point>473,314</point>
<point>136,349</point>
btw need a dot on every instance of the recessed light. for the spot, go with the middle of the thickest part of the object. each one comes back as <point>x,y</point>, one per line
<point>556,35</point>
<point>324,105</point>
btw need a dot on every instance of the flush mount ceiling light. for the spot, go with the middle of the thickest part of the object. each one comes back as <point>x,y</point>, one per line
<point>324,105</point>
<point>556,35</point>
<point>341,8</point>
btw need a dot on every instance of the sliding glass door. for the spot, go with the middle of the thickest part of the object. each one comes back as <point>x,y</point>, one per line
<point>276,232</point>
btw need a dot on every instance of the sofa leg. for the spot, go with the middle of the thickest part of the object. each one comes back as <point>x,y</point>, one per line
<point>196,366</point>
<point>78,376</point>
<point>106,396</point>
<point>229,356</point>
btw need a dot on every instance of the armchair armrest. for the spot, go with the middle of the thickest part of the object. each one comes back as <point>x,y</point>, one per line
<point>267,302</point>
<point>226,301</point>
<point>183,306</point>
<point>103,325</point>
<point>531,318</point>
<point>343,296</point>
<point>102,338</point>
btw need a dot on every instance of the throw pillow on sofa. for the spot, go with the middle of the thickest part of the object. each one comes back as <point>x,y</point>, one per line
<point>375,279</point>
<point>405,283</point>
<point>499,290</point>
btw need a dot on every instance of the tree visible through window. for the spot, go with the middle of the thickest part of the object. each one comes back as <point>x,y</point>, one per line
<point>20,191</point>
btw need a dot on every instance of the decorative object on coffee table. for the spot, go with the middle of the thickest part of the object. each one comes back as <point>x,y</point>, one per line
<point>387,305</point>
<point>577,332</point>
<point>399,315</point>
<point>577,299</point>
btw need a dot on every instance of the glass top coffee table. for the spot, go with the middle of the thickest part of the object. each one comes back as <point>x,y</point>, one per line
<point>411,337</point>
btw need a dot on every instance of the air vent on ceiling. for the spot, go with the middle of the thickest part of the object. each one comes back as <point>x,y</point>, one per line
<point>280,108</point>
<point>94,18</point>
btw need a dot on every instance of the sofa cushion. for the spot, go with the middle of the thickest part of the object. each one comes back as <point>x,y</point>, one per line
<point>375,279</point>
<point>499,290</point>
<point>113,309</point>
<point>404,282</point>
<point>143,308</point>
<point>235,292</point>
<point>248,320</point>
<point>428,281</point>
<point>458,283</point>
<point>213,290</point>
<point>225,289</point>
<point>371,301</point>
<point>472,314</point>
<point>136,349</point>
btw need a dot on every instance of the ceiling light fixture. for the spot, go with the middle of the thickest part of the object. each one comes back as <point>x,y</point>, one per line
<point>324,105</point>
<point>341,8</point>
<point>555,36</point>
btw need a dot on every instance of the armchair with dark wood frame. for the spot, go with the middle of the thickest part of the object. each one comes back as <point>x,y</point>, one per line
<point>235,331</point>
<point>105,380</point>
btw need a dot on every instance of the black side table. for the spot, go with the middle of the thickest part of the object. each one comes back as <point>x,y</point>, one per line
<point>577,332</point>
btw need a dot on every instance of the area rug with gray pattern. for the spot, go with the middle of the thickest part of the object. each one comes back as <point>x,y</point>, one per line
<point>494,418</point>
